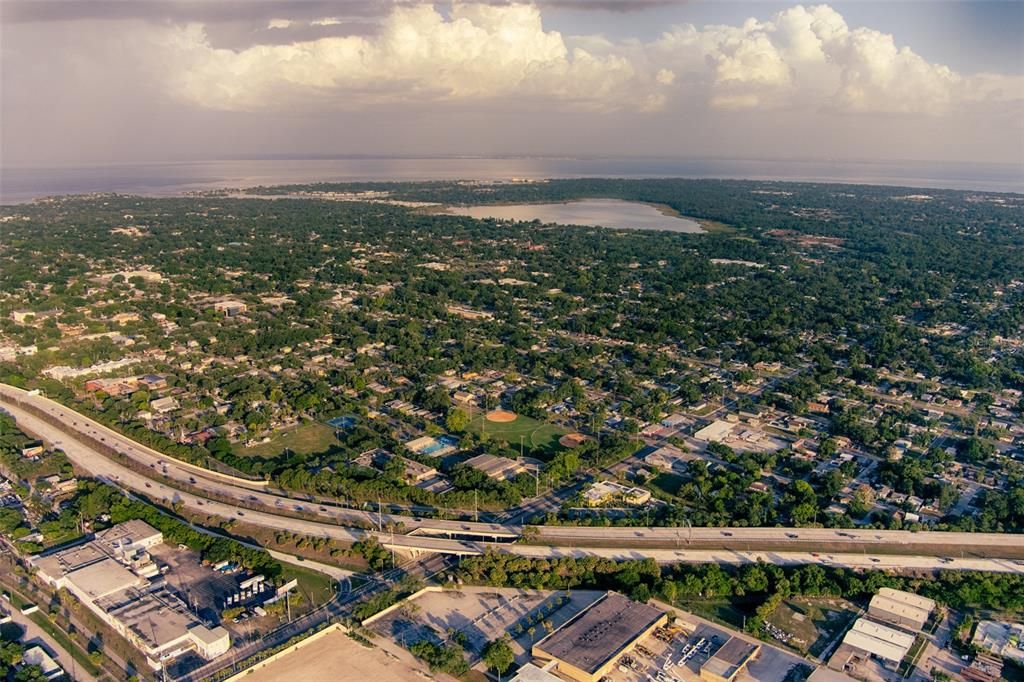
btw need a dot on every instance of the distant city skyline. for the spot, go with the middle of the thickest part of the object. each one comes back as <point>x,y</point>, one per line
<point>99,82</point>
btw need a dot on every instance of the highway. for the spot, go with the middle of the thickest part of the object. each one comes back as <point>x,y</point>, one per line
<point>208,493</point>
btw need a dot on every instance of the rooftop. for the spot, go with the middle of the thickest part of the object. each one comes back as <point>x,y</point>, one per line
<point>908,598</point>
<point>501,468</point>
<point>733,655</point>
<point>879,640</point>
<point>102,578</point>
<point>600,632</point>
<point>127,533</point>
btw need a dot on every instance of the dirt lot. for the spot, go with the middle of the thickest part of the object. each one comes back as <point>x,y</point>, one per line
<point>810,625</point>
<point>337,657</point>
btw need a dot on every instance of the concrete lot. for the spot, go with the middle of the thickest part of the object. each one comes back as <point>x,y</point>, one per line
<point>483,614</point>
<point>198,585</point>
<point>336,657</point>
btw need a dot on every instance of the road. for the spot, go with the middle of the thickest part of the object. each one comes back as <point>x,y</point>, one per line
<point>339,607</point>
<point>34,633</point>
<point>206,494</point>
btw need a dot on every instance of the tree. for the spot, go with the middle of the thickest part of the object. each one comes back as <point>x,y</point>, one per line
<point>457,420</point>
<point>498,655</point>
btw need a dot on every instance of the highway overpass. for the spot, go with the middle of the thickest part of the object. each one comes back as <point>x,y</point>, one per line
<point>146,472</point>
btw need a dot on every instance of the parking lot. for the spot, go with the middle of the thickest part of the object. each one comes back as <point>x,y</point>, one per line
<point>481,615</point>
<point>199,586</point>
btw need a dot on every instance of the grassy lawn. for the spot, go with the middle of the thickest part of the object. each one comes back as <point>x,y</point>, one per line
<point>314,586</point>
<point>303,439</point>
<point>80,656</point>
<point>721,610</point>
<point>540,439</point>
<point>813,622</point>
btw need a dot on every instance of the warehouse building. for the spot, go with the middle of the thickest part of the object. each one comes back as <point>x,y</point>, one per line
<point>110,575</point>
<point>729,660</point>
<point>587,647</point>
<point>868,640</point>
<point>903,609</point>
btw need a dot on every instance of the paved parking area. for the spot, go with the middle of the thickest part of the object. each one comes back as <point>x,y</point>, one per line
<point>483,614</point>
<point>198,585</point>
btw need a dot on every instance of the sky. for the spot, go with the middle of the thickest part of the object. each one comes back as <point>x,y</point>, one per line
<point>109,81</point>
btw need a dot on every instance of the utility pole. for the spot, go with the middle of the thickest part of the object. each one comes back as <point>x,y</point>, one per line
<point>476,505</point>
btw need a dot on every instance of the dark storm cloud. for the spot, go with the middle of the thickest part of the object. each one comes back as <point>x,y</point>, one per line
<point>252,11</point>
<point>204,11</point>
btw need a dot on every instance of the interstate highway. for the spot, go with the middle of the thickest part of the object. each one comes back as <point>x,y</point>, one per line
<point>277,512</point>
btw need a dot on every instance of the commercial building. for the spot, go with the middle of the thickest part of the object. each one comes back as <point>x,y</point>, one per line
<point>111,576</point>
<point>1000,638</point>
<point>729,660</point>
<point>903,609</point>
<point>587,647</point>
<point>717,431</point>
<point>869,640</point>
<point>498,468</point>
<point>528,672</point>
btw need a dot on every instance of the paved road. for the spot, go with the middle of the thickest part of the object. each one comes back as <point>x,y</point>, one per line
<point>272,511</point>
<point>781,558</point>
<point>35,634</point>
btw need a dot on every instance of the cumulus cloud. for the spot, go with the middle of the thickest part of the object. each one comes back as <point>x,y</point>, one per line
<point>804,57</point>
<point>479,51</point>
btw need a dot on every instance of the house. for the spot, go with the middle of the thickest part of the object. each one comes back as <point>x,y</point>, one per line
<point>230,308</point>
<point>164,405</point>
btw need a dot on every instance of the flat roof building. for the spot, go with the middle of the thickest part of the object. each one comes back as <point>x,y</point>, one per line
<point>729,660</point>
<point>607,492</point>
<point>101,579</point>
<point>129,537</point>
<point>869,639</point>
<point>498,468</point>
<point>149,616</point>
<point>904,609</point>
<point>587,646</point>
<point>36,656</point>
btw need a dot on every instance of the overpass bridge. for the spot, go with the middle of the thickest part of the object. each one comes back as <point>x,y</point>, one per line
<point>161,479</point>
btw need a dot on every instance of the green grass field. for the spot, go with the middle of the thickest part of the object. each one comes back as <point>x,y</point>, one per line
<point>540,439</point>
<point>303,439</point>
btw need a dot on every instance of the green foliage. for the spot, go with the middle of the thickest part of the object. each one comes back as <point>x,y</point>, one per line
<point>440,657</point>
<point>498,654</point>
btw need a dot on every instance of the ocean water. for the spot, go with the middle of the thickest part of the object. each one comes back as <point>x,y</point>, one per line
<point>170,179</point>
<point>613,213</point>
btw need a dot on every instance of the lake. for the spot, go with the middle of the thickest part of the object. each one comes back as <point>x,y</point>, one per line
<point>612,213</point>
<point>176,178</point>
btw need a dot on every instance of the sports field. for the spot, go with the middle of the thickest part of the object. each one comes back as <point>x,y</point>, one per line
<point>540,439</point>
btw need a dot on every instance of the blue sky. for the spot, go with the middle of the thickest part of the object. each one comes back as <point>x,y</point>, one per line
<point>978,35</point>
